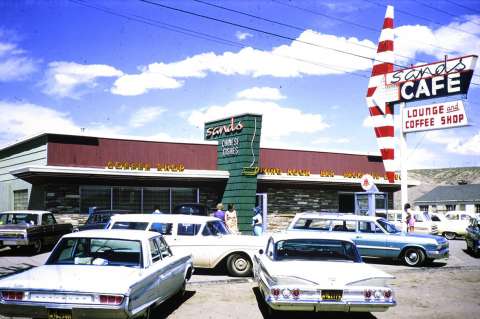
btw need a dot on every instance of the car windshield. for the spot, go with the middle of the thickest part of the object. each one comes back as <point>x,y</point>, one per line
<point>215,228</point>
<point>130,225</point>
<point>25,219</point>
<point>316,249</point>
<point>98,218</point>
<point>389,227</point>
<point>97,252</point>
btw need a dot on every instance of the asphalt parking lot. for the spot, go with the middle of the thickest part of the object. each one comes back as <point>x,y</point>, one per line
<point>446,289</point>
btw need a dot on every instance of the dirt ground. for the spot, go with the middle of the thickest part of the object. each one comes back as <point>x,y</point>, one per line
<point>420,293</point>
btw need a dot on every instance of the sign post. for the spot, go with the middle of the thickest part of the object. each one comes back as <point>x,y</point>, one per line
<point>403,168</point>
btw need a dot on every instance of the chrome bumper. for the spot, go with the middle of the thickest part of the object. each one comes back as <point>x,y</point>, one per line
<point>438,254</point>
<point>40,310</point>
<point>14,242</point>
<point>344,306</point>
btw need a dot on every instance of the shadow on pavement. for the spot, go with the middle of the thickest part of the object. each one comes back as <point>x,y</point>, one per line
<point>217,271</point>
<point>264,309</point>
<point>172,304</point>
<point>18,252</point>
<point>470,253</point>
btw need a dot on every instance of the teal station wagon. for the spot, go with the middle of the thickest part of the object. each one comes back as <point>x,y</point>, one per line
<point>375,237</point>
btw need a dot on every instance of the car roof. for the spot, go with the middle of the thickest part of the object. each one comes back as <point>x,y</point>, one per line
<point>116,211</point>
<point>336,216</point>
<point>163,218</point>
<point>301,234</point>
<point>113,234</point>
<point>26,212</point>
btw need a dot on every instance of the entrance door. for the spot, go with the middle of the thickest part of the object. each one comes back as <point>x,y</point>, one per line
<point>346,203</point>
<point>262,202</point>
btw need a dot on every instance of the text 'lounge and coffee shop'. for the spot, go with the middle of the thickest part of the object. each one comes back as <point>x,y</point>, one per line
<point>68,174</point>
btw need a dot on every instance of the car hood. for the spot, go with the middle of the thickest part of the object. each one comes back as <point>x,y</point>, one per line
<point>439,239</point>
<point>14,227</point>
<point>74,278</point>
<point>244,240</point>
<point>325,273</point>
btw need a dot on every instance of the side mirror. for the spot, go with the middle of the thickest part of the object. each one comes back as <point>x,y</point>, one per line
<point>260,251</point>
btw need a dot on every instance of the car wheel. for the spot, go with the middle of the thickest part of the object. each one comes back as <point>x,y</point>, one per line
<point>449,235</point>
<point>146,314</point>
<point>181,292</point>
<point>37,246</point>
<point>413,257</point>
<point>239,265</point>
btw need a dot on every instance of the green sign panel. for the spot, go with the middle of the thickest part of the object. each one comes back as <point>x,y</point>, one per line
<point>238,152</point>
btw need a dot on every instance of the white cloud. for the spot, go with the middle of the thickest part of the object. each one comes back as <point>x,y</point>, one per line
<point>14,63</point>
<point>370,121</point>
<point>19,120</point>
<point>261,93</point>
<point>66,79</point>
<point>455,143</point>
<point>293,60</point>
<point>243,35</point>
<point>331,140</point>
<point>419,158</point>
<point>448,40</point>
<point>146,115</point>
<point>277,121</point>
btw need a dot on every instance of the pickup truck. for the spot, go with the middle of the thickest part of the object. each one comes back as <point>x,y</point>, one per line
<point>30,228</point>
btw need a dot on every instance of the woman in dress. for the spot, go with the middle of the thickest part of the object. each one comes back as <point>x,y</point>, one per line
<point>231,219</point>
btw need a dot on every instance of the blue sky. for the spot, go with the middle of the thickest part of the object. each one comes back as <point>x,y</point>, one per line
<point>65,66</point>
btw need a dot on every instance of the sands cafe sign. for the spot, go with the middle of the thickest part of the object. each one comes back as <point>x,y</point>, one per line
<point>387,87</point>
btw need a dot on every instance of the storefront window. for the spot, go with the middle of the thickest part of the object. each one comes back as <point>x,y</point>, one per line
<point>95,196</point>
<point>62,199</point>
<point>156,196</point>
<point>128,198</point>
<point>183,195</point>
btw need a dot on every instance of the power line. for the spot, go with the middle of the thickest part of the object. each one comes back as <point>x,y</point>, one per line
<point>463,6</point>
<point>419,17</point>
<point>265,32</point>
<point>206,36</point>
<point>362,26</point>
<point>442,11</point>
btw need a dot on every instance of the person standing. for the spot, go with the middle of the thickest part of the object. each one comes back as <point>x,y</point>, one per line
<point>231,219</point>
<point>157,210</point>
<point>220,214</point>
<point>257,221</point>
<point>410,218</point>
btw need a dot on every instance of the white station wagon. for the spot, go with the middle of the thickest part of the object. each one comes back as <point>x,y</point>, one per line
<point>98,274</point>
<point>206,238</point>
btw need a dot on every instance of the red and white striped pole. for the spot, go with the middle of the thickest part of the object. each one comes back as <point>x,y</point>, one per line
<point>382,112</point>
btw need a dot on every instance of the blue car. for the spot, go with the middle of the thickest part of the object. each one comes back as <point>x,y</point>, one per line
<point>472,237</point>
<point>376,237</point>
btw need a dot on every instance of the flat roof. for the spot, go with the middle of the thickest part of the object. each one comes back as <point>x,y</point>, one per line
<point>163,218</point>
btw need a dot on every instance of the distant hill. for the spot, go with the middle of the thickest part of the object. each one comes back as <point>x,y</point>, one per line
<point>431,178</point>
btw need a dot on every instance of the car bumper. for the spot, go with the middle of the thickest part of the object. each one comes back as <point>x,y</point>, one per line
<point>14,242</point>
<point>41,310</point>
<point>344,306</point>
<point>438,254</point>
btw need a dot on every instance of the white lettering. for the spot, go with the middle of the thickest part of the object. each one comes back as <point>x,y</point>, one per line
<point>404,93</point>
<point>435,85</point>
<point>422,88</point>
<point>453,82</point>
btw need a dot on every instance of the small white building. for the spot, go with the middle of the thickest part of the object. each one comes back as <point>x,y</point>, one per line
<point>451,197</point>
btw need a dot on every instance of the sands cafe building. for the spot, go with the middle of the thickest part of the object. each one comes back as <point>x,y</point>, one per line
<point>68,174</point>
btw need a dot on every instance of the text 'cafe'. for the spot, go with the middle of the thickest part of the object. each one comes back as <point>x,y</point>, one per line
<point>68,174</point>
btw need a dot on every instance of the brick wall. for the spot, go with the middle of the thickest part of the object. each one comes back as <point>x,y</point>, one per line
<point>296,200</point>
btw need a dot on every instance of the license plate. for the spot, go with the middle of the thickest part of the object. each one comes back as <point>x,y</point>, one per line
<point>332,295</point>
<point>59,314</point>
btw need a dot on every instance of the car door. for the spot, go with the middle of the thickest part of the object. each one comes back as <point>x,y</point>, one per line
<point>48,230</point>
<point>188,240</point>
<point>174,266</point>
<point>371,240</point>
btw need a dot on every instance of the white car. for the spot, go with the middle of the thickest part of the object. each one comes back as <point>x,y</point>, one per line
<point>319,272</point>
<point>206,238</point>
<point>98,274</point>
<point>423,222</point>
<point>452,224</point>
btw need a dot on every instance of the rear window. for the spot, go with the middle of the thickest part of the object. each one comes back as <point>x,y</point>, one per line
<point>130,225</point>
<point>312,224</point>
<point>316,249</point>
<point>188,229</point>
<point>162,228</point>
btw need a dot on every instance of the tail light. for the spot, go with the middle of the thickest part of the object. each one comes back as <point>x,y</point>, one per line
<point>275,292</point>
<point>367,293</point>
<point>111,299</point>
<point>296,293</point>
<point>13,295</point>
<point>387,294</point>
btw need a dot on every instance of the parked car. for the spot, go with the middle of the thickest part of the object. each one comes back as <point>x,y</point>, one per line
<point>376,237</point>
<point>206,238</point>
<point>192,209</point>
<point>100,218</point>
<point>472,236</point>
<point>453,224</point>
<point>98,274</point>
<point>319,272</point>
<point>30,228</point>
<point>423,221</point>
